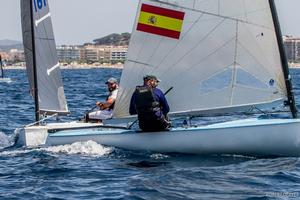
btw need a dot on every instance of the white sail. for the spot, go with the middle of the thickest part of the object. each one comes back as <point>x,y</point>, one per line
<point>49,83</point>
<point>225,54</point>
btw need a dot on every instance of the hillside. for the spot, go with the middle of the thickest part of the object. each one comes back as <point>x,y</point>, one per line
<point>6,45</point>
<point>114,39</point>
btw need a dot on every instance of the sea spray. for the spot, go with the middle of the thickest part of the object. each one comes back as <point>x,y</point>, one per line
<point>89,148</point>
<point>159,156</point>
<point>6,140</point>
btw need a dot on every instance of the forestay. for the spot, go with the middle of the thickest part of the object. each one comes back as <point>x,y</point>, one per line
<point>225,55</point>
<point>51,95</point>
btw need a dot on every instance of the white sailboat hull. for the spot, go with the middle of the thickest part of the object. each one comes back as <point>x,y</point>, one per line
<point>34,136</point>
<point>269,137</point>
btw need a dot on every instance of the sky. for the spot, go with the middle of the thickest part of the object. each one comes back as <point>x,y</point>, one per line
<point>81,21</point>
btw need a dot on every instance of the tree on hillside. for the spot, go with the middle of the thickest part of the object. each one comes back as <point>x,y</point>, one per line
<point>114,39</point>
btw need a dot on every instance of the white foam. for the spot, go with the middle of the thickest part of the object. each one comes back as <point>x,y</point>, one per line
<point>89,148</point>
<point>13,153</point>
<point>5,140</point>
<point>159,156</point>
<point>5,80</point>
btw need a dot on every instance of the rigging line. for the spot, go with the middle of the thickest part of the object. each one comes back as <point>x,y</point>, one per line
<point>41,120</point>
<point>212,14</point>
<point>177,44</point>
<point>260,110</point>
<point>193,48</point>
<point>234,73</point>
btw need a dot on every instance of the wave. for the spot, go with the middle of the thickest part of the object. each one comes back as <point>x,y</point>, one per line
<point>89,148</point>
<point>6,140</point>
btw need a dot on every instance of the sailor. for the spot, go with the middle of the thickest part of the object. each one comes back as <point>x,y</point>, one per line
<point>151,106</point>
<point>105,108</point>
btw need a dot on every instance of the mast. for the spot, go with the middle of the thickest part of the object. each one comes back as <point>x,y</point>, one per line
<point>1,66</point>
<point>284,62</point>
<point>35,88</point>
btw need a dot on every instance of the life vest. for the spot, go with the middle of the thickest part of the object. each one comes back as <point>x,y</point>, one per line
<point>146,105</point>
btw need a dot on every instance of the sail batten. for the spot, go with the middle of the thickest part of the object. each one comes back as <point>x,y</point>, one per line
<point>226,56</point>
<point>38,21</point>
<point>41,58</point>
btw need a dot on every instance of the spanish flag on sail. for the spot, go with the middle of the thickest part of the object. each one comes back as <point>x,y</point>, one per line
<point>160,21</point>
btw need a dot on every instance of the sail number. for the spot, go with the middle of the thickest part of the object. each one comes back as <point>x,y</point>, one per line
<point>39,4</point>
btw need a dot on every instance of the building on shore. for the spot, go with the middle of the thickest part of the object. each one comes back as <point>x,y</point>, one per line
<point>68,53</point>
<point>4,56</point>
<point>89,54</point>
<point>292,48</point>
<point>13,57</point>
<point>112,54</point>
<point>118,54</point>
<point>103,54</point>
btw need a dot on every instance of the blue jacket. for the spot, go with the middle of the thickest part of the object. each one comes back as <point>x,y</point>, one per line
<point>159,97</point>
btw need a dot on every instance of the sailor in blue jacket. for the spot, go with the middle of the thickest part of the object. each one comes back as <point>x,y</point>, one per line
<point>151,106</point>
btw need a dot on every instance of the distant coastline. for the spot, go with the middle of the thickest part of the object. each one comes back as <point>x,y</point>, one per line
<point>108,66</point>
<point>294,65</point>
<point>83,66</point>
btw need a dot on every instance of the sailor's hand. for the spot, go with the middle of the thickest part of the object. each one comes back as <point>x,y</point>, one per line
<point>99,104</point>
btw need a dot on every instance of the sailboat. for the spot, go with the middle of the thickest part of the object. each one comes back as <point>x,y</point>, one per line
<point>2,78</point>
<point>43,72</point>
<point>219,57</point>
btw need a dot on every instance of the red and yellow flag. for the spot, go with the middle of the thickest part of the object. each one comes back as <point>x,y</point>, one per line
<point>160,21</point>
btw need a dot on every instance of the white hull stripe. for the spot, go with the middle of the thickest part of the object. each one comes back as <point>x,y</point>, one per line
<point>42,19</point>
<point>52,68</point>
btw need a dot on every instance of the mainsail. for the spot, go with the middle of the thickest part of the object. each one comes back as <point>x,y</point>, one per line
<point>41,57</point>
<point>226,55</point>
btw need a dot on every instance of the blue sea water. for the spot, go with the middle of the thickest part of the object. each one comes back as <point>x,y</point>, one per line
<point>91,171</point>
